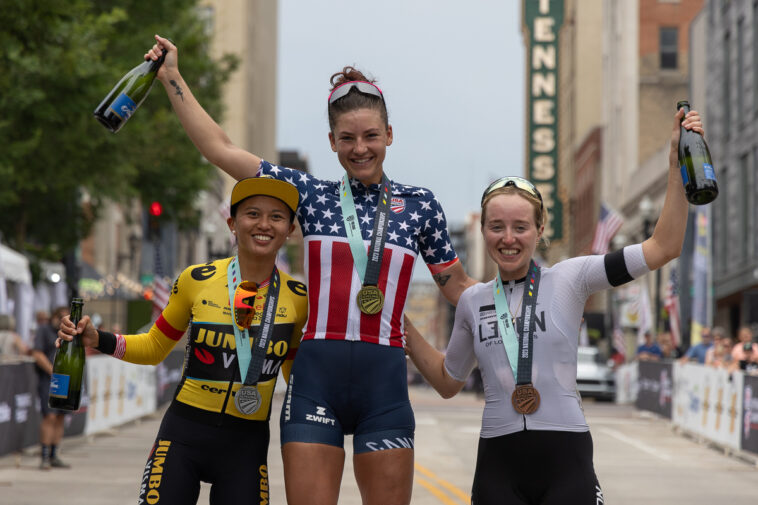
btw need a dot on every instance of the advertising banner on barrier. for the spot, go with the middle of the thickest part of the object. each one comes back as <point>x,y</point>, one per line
<point>708,402</point>
<point>19,415</point>
<point>655,387</point>
<point>749,431</point>
<point>627,383</point>
<point>119,392</point>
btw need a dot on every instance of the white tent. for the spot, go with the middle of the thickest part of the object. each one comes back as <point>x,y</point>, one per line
<point>14,266</point>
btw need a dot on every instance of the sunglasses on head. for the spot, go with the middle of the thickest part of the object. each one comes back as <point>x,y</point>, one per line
<point>517,182</point>
<point>244,304</point>
<point>363,86</point>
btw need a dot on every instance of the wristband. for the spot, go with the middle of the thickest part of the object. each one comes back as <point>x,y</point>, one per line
<point>106,342</point>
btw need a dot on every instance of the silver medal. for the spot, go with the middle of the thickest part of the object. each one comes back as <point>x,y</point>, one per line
<point>248,400</point>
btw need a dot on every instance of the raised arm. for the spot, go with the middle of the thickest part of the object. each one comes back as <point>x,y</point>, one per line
<point>430,362</point>
<point>668,236</point>
<point>205,133</point>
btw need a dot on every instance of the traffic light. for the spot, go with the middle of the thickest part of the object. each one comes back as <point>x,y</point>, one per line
<point>154,211</point>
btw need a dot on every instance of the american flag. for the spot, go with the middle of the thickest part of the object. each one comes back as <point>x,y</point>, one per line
<point>619,341</point>
<point>671,305</point>
<point>161,285</point>
<point>416,227</point>
<point>607,226</point>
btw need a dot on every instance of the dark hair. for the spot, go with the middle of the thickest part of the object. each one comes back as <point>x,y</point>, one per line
<point>233,208</point>
<point>354,99</point>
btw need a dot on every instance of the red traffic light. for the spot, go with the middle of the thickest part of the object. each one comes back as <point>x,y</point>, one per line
<point>156,209</point>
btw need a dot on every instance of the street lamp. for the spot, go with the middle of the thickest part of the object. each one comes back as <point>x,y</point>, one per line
<point>647,213</point>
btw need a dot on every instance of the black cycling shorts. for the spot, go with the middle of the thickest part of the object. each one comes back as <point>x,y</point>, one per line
<point>340,387</point>
<point>186,452</point>
<point>536,467</point>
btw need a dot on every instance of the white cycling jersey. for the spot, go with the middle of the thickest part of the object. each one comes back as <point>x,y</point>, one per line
<point>563,292</point>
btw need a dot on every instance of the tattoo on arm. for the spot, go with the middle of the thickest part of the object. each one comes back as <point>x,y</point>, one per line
<point>441,278</point>
<point>178,88</point>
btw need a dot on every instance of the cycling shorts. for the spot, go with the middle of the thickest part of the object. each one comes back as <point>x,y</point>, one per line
<point>536,467</point>
<point>340,387</point>
<point>186,452</point>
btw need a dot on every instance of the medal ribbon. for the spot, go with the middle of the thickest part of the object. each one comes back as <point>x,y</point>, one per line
<point>367,265</point>
<point>515,346</point>
<point>251,360</point>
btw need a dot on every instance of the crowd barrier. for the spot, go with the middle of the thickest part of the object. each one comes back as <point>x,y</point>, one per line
<point>709,403</point>
<point>116,392</point>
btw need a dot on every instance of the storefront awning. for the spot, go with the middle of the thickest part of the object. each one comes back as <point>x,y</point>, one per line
<point>14,266</point>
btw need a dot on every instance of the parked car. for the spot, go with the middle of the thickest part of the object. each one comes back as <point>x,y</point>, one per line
<point>594,375</point>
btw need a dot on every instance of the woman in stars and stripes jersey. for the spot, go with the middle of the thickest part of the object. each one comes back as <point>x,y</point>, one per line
<point>349,376</point>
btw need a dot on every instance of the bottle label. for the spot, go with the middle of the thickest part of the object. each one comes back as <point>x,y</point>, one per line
<point>709,172</point>
<point>123,106</point>
<point>59,385</point>
<point>685,179</point>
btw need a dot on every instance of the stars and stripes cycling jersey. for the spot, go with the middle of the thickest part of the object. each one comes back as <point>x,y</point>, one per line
<point>199,300</point>
<point>417,225</point>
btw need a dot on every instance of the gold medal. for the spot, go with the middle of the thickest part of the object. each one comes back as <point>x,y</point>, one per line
<point>525,399</point>
<point>247,399</point>
<point>370,300</point>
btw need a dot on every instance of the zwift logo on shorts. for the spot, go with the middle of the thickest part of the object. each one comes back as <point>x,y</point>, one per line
<point>320,416</point>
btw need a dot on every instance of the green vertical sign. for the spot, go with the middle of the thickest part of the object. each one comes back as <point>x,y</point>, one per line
<point>543,20</point>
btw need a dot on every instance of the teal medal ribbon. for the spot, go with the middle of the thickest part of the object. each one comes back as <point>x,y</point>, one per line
<point>505,323</point>
<point>248,399</point>
<point>370,298</point>
<point>525,398</point>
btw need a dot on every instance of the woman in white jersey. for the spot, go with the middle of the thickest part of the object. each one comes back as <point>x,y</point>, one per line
<point>521,329</point>
<point>349,376</point>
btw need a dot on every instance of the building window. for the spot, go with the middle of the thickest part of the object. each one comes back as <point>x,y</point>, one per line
<point>720,230</point>
<point>740,64</point>
<point>669,38</point>
<point>744,216</point>
<point>727,83</point>
<point>755,57</point>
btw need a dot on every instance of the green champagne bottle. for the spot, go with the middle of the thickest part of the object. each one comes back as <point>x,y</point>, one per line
<point>698,175</point>
<point>119,105</point>
<point>68,368</point>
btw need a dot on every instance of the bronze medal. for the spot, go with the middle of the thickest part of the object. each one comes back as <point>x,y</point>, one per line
<point>525,399</point>
<point>370,300</point>
<point>248,400</point>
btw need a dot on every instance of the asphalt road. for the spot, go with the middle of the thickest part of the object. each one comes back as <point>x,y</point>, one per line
<point>639,459</point>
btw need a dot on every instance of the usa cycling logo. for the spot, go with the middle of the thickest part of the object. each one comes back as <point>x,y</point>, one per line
<point>397,205</point>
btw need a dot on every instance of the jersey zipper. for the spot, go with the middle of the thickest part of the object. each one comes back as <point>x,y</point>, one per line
<point>226,399</point>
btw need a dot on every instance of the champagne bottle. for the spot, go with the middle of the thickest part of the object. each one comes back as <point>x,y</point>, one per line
<point>698,175</point>
<point>68,368</point>
<point>119,105</point>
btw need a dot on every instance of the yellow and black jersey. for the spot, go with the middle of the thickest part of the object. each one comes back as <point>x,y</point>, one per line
<point>210,378</point>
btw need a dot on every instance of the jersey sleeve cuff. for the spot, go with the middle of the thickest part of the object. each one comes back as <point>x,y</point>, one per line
<point>106,342</point>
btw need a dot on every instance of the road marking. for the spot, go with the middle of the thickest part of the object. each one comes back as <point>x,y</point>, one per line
<point>439,493</point>
<point>636,443</point>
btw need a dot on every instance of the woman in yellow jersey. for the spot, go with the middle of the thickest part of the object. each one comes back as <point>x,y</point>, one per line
<point>245,321</point>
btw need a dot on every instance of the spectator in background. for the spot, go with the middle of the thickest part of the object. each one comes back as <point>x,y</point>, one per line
<point>668,349</point>
<point>697,352</point>
<point>719,355</point>
<point>51,428</point>
<point>11,345</point>
<point>745,349</point>
<point>649,350</point>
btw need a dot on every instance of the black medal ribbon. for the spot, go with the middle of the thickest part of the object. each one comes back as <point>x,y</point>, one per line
<point>528,324</point>
<point>379,237</point>
<point>265,330</point>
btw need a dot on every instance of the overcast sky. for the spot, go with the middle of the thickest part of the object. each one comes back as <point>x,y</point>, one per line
<point>452,74</point>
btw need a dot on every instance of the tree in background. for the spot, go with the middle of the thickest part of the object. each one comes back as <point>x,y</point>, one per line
<point>59,60</point>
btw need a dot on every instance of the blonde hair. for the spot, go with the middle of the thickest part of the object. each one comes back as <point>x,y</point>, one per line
<point>540,217</point>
